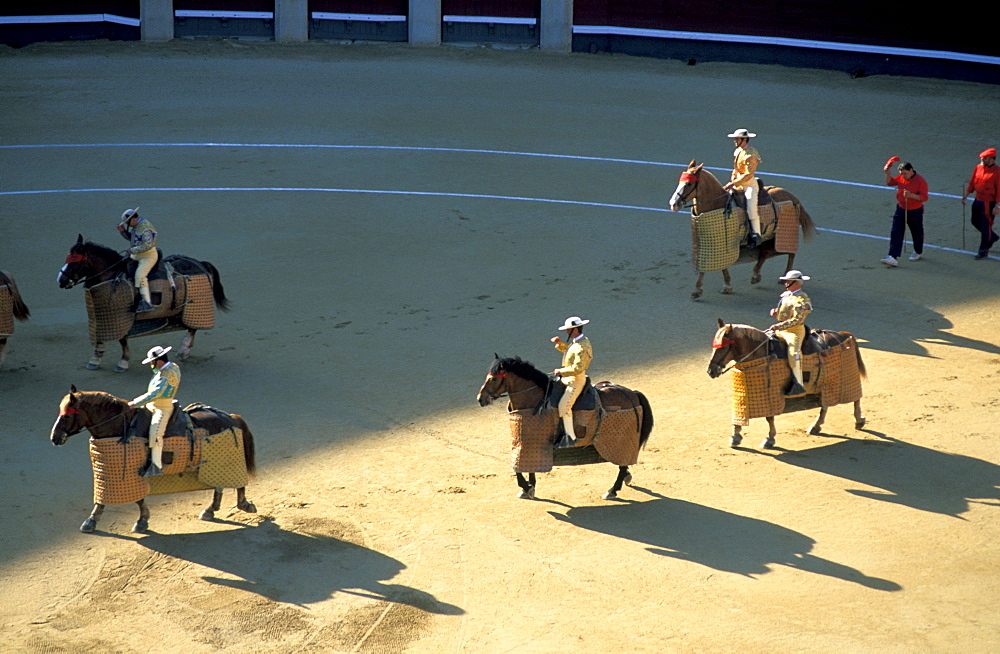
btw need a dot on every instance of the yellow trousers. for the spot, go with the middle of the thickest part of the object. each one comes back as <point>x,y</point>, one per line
<point>145,260</point>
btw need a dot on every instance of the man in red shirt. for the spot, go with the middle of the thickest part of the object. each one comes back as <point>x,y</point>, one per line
<point>911,193</point>
<point>985,183</point>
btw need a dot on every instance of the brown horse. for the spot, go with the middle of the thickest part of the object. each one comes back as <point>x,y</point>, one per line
<point>95,265</point>
<point>11,307</point>
<point>749,348</point>
<point>108,417</point>
<point>699,189</point>
<point>625,425</point>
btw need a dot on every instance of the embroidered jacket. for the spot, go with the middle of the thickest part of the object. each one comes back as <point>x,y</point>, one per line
<point>985,182</point>
<point>142,237</point>
<point>163,385</point>
<point>576,357</point>
<point>745,162</point>
<point>792,309</point>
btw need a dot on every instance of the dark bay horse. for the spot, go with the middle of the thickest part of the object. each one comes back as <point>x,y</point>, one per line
<point>525,386</point>
<point>11,307</point>
<point>699,189</point>
<point>107,417</point>
<point>745,345</point>
<point>92,264</point>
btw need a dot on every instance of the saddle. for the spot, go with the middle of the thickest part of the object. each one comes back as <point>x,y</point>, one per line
<point>740,200</point>
<point>816,341</point>
<point>179,424</point>
<point>586,401</point>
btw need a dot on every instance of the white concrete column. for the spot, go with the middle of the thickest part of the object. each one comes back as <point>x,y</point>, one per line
<point>291,21</point>
<point>156,20</point>
<point>556,27</point>
<point>424,22</point>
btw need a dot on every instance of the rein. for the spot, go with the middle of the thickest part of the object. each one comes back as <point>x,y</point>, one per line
<point>694,179</point>
<point>735,362</point>
<point>77,258</point>
<point>74,411</point>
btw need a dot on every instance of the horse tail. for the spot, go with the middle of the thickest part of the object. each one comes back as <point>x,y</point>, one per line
<point>861,364</point>
<point>807,224</point>
<point>218,292</point>
<point>20,308</point>
<point>249,452</point>
<point>647,420</point>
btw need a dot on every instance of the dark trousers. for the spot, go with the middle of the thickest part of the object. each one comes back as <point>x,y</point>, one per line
<point>982,220</point>
<point>914,219</point>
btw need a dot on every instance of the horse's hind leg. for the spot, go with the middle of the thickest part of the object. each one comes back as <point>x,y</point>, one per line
<point>242,503</point>
<point>90,524</point>
<point>95,361</point>
<point>624,477</point>
<point>186,344</point>
<point>126,355</point>
<point>697,286</point>
<point>772,431</point>
<point>737,437</point>
<point>859,418</point>
<point>3,349</point>
<point>727,280</point>
<point>527,486</point>
<point>142,524</point>
<point>817,427</point>
<point>209,512</point>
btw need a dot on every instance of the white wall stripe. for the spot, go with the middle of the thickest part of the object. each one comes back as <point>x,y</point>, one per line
<point>69,18</point>
<point>506,20</point>
<point>371,18</point>
<point>795,43</point>
<point>205,13</point>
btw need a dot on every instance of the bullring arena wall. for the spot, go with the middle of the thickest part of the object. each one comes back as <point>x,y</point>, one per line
<point>856,36</point>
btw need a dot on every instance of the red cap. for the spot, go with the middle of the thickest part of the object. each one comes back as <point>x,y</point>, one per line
<point>891,161</point>
<point>988,152</point>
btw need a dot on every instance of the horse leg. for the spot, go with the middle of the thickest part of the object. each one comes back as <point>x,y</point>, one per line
<point>95,361</point>
<point>186,344</point>
<point>90,524</point>
<point>242,503</point>
<point>859,418</point>
<point>209,512</point>
<point>791,262</point>
<point>771,433</point>
<point>142,524</point>
<point>126,355</point>
<point>728,288</point>
<point>527,486</point>
<point>761,258</point>
<point>817,426</point>
<point>737,437</point>
<point>697,286</point>
<point>624,477</point>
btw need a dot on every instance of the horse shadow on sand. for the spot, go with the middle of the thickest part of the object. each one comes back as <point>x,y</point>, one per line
<point>909,475</point>
<point>294,568</point>
<point>714,538</point>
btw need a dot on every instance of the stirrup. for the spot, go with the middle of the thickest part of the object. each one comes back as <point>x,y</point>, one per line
<point>150,470</point>
<point>565,441</point>
<point>144,306</point>
<point>753,240</point>
<point>794,389</point>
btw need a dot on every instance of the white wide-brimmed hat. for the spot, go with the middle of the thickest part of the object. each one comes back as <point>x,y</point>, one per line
<point>573,322</point>
<point>155,353</point>
<point>128,213</point>
<point>742,134</point>
<point>794,276</point>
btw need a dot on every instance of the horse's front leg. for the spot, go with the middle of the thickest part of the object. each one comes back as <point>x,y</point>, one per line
<point>242,503</point>
<point>761,258</point>
<point>728,281</point>
<point>142,524</point>
<point>90,524</point>
<point>818,425</point>
<point>737,437</point>
<point>624,477</point>
<point>859,418</point>
<point>95,361</point>
<point>3,349</point>
<point>527,486</point>
<point>772,431</point>
<point>209,512</point>
<point>697,286</point>
<point>126,355</point>
<point>791,262</point>
<point>186,344</point>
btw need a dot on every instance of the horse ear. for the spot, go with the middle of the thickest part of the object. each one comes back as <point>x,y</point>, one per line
<point>496,356</point>
<point>72,388</point>
<point>721,323</point>
<point>691,165</point>
<point>698,167</point>
<point>79,239</point>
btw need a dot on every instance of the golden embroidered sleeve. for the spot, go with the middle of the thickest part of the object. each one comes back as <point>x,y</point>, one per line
<point>793,310</point>
<point>576,359</point>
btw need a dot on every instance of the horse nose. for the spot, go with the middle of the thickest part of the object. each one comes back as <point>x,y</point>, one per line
<point>713,371</point>
<point>484,399</point>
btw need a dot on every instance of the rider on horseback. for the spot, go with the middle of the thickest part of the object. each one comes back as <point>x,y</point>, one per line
<point>791,313</point>
<point>577,355</point>
<point>142,236</point>
<point>159,399</point>
<point>743,179</point>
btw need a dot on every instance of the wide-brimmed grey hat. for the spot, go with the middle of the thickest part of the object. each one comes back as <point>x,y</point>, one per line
<point>742,134</point>
<point>128,213</point>
<point>155,353</point>
<point>794,276</point>
<point>572,323</point>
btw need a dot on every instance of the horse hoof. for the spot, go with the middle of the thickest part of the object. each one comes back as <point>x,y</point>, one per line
<point>815,430</point>
<point>184,354</point>
<point>207,514</point>
<point>88,526</point>
<point>755,279</point>
<point>120,368</point>
<point>527,494</point>
<point>247,506</point>
<point>860,424</point>
<point>610,495</point>
<point>628,479</point>
<point>93,366</point>
<point>727,290</point>
<point>735,440</point>
<point>696,294</point>
<point>141,526</point>
<point>768,443</point>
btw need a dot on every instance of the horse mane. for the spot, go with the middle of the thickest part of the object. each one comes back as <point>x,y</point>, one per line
<point>521,368</point>
<point>96,248</point>
<point>100,400</point>
<point>746,332</point>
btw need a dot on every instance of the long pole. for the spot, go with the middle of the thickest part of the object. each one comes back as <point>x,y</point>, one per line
<point>963,217</point>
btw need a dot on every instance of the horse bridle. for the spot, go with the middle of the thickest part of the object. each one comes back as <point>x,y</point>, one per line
<point>689,177</point>
<point>72,410</point>
<point>502,374</point>
<point>74,257</point>
<point>728,342</point>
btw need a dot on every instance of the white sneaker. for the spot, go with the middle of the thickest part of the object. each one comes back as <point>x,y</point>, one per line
<point>890,261</point>
<point>915,256</point>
